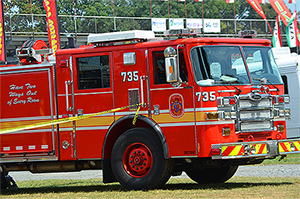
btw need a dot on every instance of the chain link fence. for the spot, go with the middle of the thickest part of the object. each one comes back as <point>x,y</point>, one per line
<point>35,24</point>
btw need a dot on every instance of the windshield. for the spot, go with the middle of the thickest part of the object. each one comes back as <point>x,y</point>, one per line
<point>261,64</point>
<point>219,65</point>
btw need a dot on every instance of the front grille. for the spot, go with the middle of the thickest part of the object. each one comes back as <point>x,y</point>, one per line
<point>254,114</point>
<point>256,126</point>
<point>247,103</point>
<point>260,114</point>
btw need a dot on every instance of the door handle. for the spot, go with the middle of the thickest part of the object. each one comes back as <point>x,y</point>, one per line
<point>67,83</point>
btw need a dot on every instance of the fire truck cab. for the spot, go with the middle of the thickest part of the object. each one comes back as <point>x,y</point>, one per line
<point>199,105</point>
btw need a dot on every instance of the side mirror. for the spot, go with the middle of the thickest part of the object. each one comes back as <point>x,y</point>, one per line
<point>171,66</point>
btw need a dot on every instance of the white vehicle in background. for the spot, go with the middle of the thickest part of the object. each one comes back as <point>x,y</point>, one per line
<point>289,68</point>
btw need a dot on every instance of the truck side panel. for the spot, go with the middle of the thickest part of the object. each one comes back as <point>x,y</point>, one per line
<point>27,98</point>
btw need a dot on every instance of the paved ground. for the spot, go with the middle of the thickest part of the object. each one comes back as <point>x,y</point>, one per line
<point>263,171</point>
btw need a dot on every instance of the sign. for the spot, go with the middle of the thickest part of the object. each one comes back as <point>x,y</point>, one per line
<point>212,25</point>
<point>52,24</point>
<point>175,24</point>
<point>194,23</point>
<point>158,24</point>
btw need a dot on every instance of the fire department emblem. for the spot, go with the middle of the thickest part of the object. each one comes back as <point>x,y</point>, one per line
<point>176,105</point>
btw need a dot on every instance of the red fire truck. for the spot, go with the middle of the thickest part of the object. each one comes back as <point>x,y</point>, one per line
<point>195,104</point>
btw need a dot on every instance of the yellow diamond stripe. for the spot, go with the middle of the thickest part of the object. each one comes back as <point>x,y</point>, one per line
<point>297,144</point>
<point>280,148</point>
<point>224,148</point>
<point>265,150</point>
<point>235,151</point>
<point>288,146</point>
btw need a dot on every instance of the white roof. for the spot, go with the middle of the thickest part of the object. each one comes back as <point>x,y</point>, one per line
<point>281,52</point>
<point>119,36</point>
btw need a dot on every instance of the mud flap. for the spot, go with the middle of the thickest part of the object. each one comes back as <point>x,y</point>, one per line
<point>108,175</point>
<point>8,182</point>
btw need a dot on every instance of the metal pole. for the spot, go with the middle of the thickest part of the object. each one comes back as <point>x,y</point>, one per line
<point>114,15</point>
<point>32,26</point>
<point>95,25</point>
<point>75,21</point>
<point>75,29</point>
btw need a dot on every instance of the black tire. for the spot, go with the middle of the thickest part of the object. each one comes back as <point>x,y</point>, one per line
<point>138,162</point>
<point>213,175</point>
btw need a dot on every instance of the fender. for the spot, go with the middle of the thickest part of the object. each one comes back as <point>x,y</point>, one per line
<point>126,123</point>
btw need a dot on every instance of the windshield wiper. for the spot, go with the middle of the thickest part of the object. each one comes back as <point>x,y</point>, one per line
<point>264,81</point>
<point>229,79</point>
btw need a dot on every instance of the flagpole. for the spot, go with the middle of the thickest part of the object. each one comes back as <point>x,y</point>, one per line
<point>168,10</point>
<point>202,11</point>
<point>234,9</point>
<point>185,9</point>
<point>150,9</point>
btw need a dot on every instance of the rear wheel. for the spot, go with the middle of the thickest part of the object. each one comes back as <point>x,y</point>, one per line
<point>213,175</point>
<point>138,162</point>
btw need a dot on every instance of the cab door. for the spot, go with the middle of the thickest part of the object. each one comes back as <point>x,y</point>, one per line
<point>92,94</point>
<point>65,107</point>
<point>130,80</point>
<point>172,106</point>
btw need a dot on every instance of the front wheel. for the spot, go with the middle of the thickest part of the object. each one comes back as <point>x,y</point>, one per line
<point>137,160</point>
<point>212,175</point>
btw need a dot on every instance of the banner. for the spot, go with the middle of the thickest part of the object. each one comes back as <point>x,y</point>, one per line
<point>158,24</point>
<point>256,6</point>
<point>282,10</point>
<point>194,23</point>
<point>175,24</point>
<point>52,24</point>
<point>291,35</point>
<point>276,40</point>
<point>285,15</point>
<point>212,25</point>
<point>2,34</point>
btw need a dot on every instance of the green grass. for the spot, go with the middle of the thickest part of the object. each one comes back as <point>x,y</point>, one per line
<point>237,187</point>
<point>290,159</point>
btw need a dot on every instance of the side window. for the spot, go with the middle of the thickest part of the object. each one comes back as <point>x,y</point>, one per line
<point>286,88</point>
<point>159,67</point>
<point>93,72</point>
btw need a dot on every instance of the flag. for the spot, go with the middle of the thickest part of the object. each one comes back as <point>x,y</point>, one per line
<point>256,6</point>
<point>2,34</point>
<point>229,1</point>
<point>285,15</point>
<point>198,0</point>
<point>52,24</point>
<point>282,10</point>
<point>181,0</point>
<point>291,33</point>
<point>292,1</point>
<point>276,40</point>
<point>261,1</point>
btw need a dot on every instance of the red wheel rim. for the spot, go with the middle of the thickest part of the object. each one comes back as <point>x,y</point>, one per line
<point>137,160</point>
